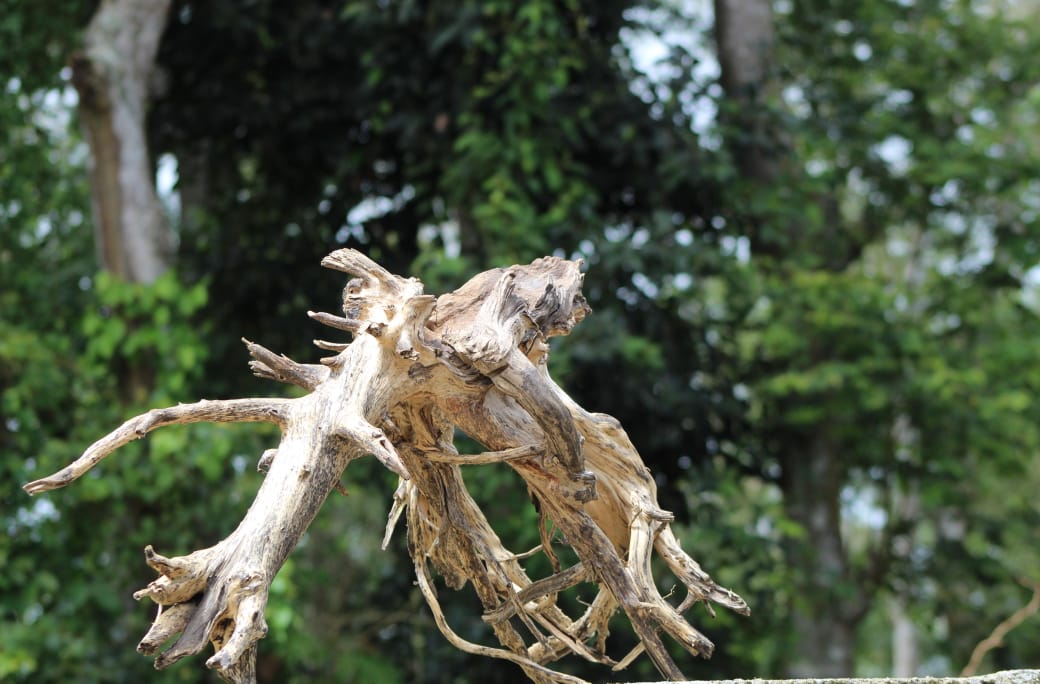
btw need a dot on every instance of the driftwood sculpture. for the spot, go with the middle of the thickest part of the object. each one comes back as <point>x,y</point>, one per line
<point>418,367</point>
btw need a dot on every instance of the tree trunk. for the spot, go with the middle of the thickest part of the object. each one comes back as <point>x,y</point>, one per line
<point>419,367</point>
<point>826,648</point>
<point>824,631</point>
<point>745,39</point>
<point>906,652</point>
<point>812,478</point>
<point>113,75</point>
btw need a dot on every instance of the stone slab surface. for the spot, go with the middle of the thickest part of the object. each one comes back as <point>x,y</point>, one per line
<point>1005,677</point>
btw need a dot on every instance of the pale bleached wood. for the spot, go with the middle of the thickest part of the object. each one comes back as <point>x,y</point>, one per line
<point>267,364</point>
<point>418,368</point>
<point>229,411</point>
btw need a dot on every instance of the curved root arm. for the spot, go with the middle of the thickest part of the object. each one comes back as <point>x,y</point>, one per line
<point>218,595</point>
<point>617,533</point>
<point>226,411</point>
<point>422,574</point>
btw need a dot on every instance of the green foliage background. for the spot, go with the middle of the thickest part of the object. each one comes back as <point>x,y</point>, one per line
<point>879,302</point>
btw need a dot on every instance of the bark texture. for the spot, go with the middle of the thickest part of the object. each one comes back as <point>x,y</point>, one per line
<point>113,75</point>
<point>418,367</point>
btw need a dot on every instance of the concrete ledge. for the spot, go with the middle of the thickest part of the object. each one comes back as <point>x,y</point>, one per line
<point>1005,677</point>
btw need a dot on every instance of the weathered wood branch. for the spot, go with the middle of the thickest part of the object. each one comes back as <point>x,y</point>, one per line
<point>231,411</point>
<point>267,364</point>
<point>418,368</point>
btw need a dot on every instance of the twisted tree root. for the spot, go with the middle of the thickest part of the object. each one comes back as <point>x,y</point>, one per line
<point>419,367</point>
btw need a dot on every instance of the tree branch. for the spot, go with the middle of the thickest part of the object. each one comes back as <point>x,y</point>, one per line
<point>267,364</point>
<point>996,637</point>
<point>227,411</point>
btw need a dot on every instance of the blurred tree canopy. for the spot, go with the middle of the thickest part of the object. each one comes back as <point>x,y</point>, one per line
<point>815,294</point>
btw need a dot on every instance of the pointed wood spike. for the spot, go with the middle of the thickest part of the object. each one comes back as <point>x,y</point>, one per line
<point>355,263</point>
<point>168,622</point>
<point>338,322</point>
<point>173,568</point>
<point>331,346</point>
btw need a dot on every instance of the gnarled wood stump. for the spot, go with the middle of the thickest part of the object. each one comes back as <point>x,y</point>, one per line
<point>419,367</point>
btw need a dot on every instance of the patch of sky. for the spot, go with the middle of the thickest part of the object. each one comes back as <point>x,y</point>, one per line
<point>645,285</point>
<point>370,208</point>
<point>447,232</point>
<point>895,152</point>
<point>861,507</point>
<point>653,35</point>
<point>736,247</point>
<point>166,178</point>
